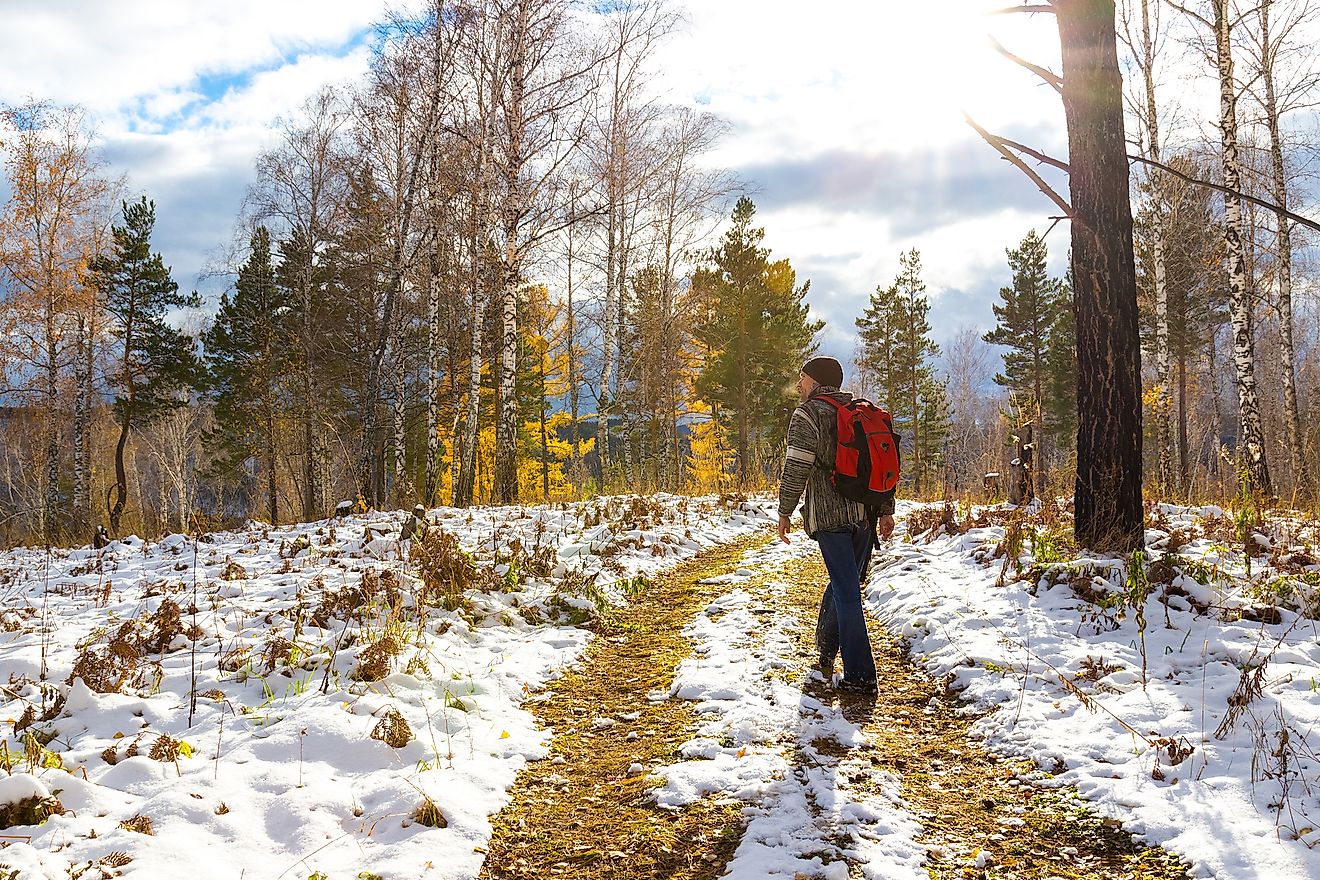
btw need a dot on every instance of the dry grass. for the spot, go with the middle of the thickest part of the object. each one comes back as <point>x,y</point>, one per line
<point>587,817</point>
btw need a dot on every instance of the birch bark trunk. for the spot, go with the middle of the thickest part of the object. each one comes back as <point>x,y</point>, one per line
<point>1251,452</point>
<point>1283,233</point>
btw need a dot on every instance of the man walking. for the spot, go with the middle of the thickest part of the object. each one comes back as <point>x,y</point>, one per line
<point>841,526</point>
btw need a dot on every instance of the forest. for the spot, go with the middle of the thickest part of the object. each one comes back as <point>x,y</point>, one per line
<point>501,268</point>
<point>433,530</point>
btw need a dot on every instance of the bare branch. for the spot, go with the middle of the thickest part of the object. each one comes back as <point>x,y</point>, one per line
<point>999,144</point>
<point>1051,78</point>
<point>1035,154</point>
<point>1269,206</point>
<point>1192,14</point>
<point>1028,8</point>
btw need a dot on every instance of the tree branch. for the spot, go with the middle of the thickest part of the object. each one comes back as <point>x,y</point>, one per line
<point>1269,206</point>
<point>1001,147</point>
<point>1192,14</point>
<point>1052,79</point>
<point>1025,7</point>
<point>1035,154</point>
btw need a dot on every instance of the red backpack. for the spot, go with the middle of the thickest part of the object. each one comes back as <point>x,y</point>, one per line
<point>866,461</point>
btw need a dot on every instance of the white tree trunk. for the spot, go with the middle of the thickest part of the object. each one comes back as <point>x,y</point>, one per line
<point>432,380</point>
<point>506,427</point>
<point>1283,234</point>
<point>1163,378</point>
<point>1251,450</point>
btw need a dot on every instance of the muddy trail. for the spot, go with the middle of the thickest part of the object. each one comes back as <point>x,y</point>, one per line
<point>589,809</point>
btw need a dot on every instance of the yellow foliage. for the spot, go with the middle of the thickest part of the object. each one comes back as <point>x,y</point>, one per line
<point>1156,397</point>
<point>710,458</point>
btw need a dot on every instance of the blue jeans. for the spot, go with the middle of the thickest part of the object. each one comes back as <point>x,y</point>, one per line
<point>846,553</point>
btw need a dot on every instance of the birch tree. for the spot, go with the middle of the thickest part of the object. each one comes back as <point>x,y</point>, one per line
<point>1251,450</point>
<point>543,80</point>
<point>397,120</point>
<point>621,148</point>
<point>1279,90</point>
<point>47,232</point>
<point>1144,36</point>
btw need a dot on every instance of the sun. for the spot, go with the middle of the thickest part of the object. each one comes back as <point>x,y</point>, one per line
<point>940,61</point>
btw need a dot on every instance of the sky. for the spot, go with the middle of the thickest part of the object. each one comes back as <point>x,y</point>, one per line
<point>846,123</point>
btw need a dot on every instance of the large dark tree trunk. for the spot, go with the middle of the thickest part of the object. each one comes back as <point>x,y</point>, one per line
<point>1108,496</point>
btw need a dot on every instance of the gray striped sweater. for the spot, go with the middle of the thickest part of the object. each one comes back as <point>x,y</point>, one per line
<point>808,461</point>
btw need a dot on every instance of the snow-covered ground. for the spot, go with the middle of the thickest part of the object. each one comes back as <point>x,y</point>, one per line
<point>758,743</point>
<point>1057,657</point>
<point>309,650</point>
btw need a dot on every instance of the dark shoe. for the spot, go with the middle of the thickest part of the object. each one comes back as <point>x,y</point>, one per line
<point>850,686</point>
<point>826,666</point>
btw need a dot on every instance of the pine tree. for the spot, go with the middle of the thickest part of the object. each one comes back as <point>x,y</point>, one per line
<point>936,423</point>
<point>913,350</point>
<point>755,332</point>
<point>1060,405</point>
<point>895,351</point>
<point>1025,324</point>
<point>247,355</point>
<point>156,365</point>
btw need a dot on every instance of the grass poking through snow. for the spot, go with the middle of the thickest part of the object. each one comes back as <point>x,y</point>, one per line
<point>586,812</point>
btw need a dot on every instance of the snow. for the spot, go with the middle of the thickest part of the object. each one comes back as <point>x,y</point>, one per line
<point>274,773</point>
<point>1142,751</point>
<point>757,743</point>
<point>277,774</point>
<point>20,787</point>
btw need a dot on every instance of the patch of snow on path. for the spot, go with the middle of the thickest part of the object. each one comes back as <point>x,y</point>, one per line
<point>757,728</point>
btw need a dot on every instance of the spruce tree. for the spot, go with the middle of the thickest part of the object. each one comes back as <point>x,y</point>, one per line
<point>156,366</point>
<point>755,333</point>
<point>1025,322</point>
<point>895,350</point>
<point>247,356</point>
<point>913,350</point>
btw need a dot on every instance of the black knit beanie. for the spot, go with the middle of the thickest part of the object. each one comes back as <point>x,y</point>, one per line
<point>825,370</point>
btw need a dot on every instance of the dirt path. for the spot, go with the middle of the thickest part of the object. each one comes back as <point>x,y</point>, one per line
<point>580,813</point>
<point>586,812</point>
<point>984,816</point>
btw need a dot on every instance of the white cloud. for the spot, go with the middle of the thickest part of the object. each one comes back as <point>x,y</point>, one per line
<point>875,88</point>
<point>143,70</point>
<point>187,95</point>
<point>108,55</point>
<point>795,79</point>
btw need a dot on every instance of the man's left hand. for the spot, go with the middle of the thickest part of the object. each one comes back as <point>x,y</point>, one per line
<point>785,526</point>
<point>884,526</point>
